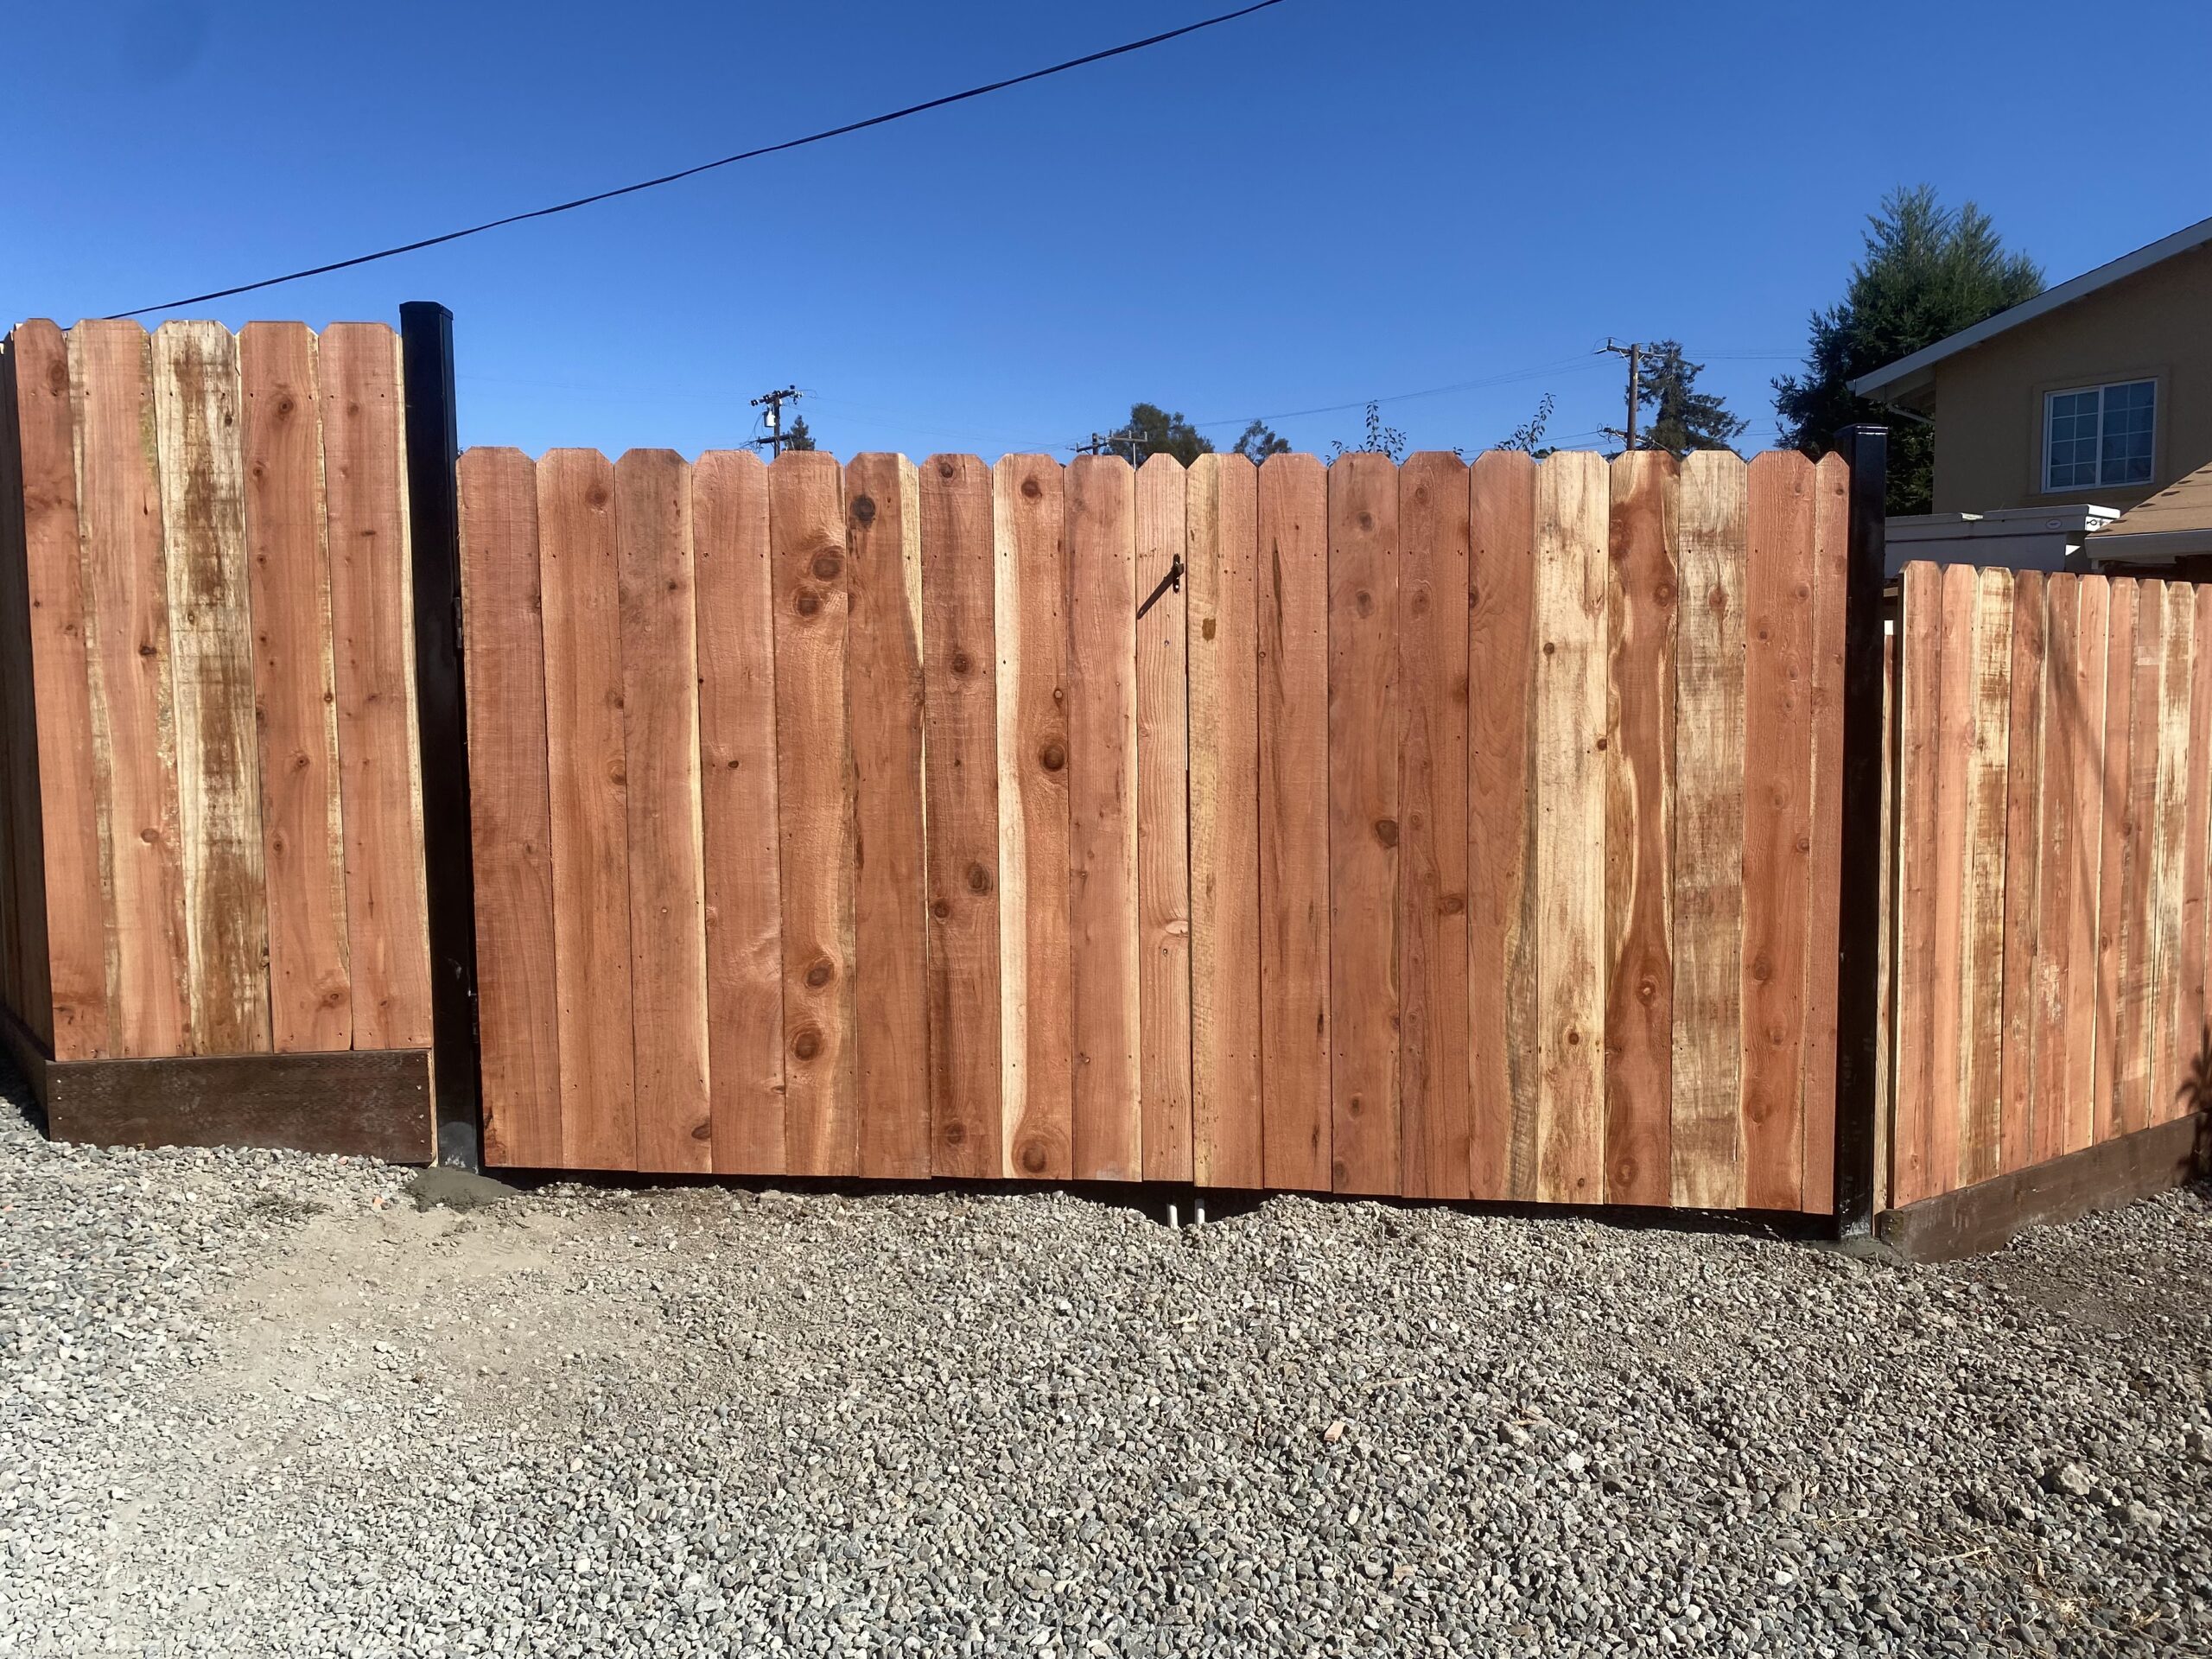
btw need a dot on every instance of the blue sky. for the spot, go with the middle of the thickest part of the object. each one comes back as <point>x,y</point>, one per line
<point>1331,200</point>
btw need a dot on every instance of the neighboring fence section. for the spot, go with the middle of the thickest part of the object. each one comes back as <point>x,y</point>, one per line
<point>212,820</point>
<point>2054,771</point>
<point>1452,831</point>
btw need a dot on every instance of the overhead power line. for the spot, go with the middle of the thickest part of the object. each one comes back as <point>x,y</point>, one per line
<point>708,167</point>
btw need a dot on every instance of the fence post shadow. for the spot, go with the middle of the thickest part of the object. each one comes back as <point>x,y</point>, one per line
<point>1859,994</point>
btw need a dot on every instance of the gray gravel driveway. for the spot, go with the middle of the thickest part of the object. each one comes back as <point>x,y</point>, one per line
<point>255,1404</point>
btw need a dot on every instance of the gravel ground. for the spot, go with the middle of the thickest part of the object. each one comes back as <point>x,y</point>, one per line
<point>256,1403</point>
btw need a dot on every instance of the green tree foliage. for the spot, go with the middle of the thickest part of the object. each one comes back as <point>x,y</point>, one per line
<point>798,437</point>
<point>1928,272</point>
<point>1259,440</point>
<point>1682,418</point>
<point>1528,436</point>
<point>1378,439</point>
<point>1151,430</point>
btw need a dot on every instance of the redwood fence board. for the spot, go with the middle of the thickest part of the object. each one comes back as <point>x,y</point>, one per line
<point>511,809</point>
<point>79,1021</point>
<point>1364,736</point>
<point>302,816</point>
<point>1293,655</point>
<point>127,649</point>
<point>1640,788</point>
<point>815,810</point>
<point>734,579</point>
<point>1036,993</point>
<point>200,475</point>
<point>1104,928</point>
<point>581,596</point>
<point>884,545</point>
<point>1705,1142</point>
<point>1433,526</point>
<point>1502,829</point>
<point>660,767</point>
<point>1570,695</point>
<point>372,630</point>
<point>1222,526</point>
<point>959,584</point>
<point>1163,824</point>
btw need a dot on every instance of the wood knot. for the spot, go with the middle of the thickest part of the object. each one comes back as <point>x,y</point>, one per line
<point>820,973</point>
<point>828,567</point>
<point>940,909</point>
<point>807,1044</point>
<point>864,509</point>
<point>808,602</point>
<point>1030,489</point>
<point>1451,904</point>
<point>596,496</point>
<point>956,1134</point>
<point>962,662</point>
<point>1363,602</point>
<point>1601,746</point>
<point>979,878</point>
<point>945,468</point>
<point>1032,1155</point>
<point>1385,831</point>
<point>1573,1038</point>
<point>703,1131</point>
<point>1208,628</point>
<point>1549,647</point>
<point>1052,757</point>
<point>1367,521</point>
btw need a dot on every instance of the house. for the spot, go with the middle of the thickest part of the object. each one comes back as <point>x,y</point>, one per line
<point>2055,417</point>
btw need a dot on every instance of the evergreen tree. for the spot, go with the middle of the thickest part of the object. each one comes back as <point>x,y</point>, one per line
<point>1151,430</point>
<point>798,437</point>
<point>1927,272</point>
<point>1682,418</point>
<point>1259,440</point>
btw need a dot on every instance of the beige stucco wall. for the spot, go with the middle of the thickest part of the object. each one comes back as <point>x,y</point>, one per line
<point>1989,401</point>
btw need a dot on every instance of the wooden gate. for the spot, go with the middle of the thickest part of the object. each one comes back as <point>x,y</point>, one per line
<point>847,820</point>
<point>2053,848</point>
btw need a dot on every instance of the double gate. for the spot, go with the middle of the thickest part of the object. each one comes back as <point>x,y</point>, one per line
<point>1450,830</point>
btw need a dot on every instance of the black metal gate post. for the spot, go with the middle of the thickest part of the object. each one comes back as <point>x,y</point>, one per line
<point>1859,1057</point>
<point>434,528</point>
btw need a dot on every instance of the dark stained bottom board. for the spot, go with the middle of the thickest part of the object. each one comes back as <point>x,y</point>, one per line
<point>372,1103</point>
<point>1987,1215</point>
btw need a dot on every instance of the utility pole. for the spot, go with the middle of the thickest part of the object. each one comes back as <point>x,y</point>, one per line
<point>1634,352</point>
<point>777,437</point>
<point>1113,444</point>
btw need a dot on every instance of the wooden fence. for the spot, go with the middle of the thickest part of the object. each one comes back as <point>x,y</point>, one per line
<point>849,821</point>
<point>213,841</point>
<point>2054,770</point>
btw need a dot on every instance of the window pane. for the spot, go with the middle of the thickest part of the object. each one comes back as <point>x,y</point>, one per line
<point>2125,439</point>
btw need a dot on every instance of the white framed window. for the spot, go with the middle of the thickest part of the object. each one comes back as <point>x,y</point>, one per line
<point>2095,436</point>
